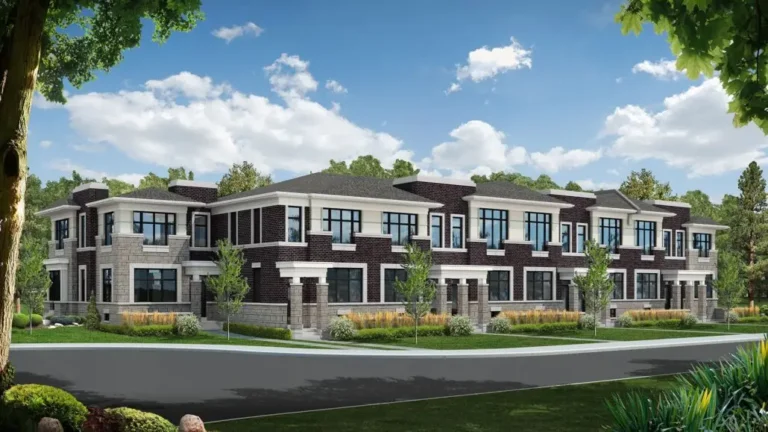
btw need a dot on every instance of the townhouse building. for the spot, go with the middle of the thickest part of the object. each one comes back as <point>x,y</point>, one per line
<point>324,245</point>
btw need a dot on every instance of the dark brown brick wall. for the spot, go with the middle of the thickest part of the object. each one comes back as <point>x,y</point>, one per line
<point>200,194</point>
<point>676,222</point>
<point>219,227</point>
<point>244,227</point>
<point>92,214</point>
<point>576,214</point>
<point>87,258</point>
<point>273,224</point>
<point>273,288</point>
<point>256,225</point>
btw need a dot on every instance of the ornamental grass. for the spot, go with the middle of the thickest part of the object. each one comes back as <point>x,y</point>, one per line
<point>148,318</point>
<point>657,314</point>
<point>747,311</point>
<point>540,316</point>
<point>394,320</point>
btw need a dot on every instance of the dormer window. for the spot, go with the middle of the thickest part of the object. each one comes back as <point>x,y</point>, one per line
<point>342,224</point>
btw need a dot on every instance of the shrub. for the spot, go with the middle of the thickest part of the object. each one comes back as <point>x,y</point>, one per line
<point>556,327</point>
<point>656,314</point>
<point>92,317</point>
<point>733,317</point>
<point>459,325</point>
<point>500,324</point>
<point>688,320</point>
<point>587,322</point>
<point>20,321</point>
<point>259,331</point>
<point>27,404</point>
<point>753,319</point>
<point>6,378</point>
<point>540,316</point>
<point>148,318</point>
<point>133,420</point>
<point>394,319</point>
<point>390,334</point>
<point>341,328</point>
<point>187,325</point>
<point>669,323</point>
<point>63,320</point>
<point>625,320</point>
<point>36,320</point>
<point>77,319</point>
<point>746,311</point>
<point>764,310</point>
<point>139,331</point>
<point>99,421</point>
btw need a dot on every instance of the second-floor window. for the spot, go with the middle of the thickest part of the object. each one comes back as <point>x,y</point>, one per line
<point>62,232</point>
<point>538,229</point>
<point>610,234</point>
<point>702,242</point>
<point>156,227</point>
<point>294,224</point>
<point>200,230</point>
<point>109,228</point>
<point>680,243</point>
<point>457,232</point>
<point>401,225</point>
<point>342,224</point>
<point>436,231</point>
<point>645,236</point>
<point>667,243</point>
<point>81,232</point>
<point>493,227</point>
<point>581,237</point>
<point>565,237</point>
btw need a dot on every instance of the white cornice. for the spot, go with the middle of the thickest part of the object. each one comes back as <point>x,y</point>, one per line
<point>59,209</point>
<point>87,186</point>
<point>193,183</point>
<point>256,198</point>
<point>706,226</point>
<point>669,203</point>
<point>655,213</point>
<point>563,192</point>
<point>168,203</point>
<point>611,210</point>
<point>516,201</point>
<point>433,179</point>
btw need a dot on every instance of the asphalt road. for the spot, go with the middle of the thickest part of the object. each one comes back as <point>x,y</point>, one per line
<point>222,385</point>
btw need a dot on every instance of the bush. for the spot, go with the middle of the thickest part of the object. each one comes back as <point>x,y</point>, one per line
<point>625,320</point>
<point>394,319</point>
<point>25,405</point>
<point>540,316</point>
<point>36,320</point>
<point>587,322</point>
<point>139,331</point>
<point>390,334</point>
<point>764,310</point>
<point>500,324</point>
<point>187,325</point>
<point>459,325</point>
<point>77,319</point>
<point>133,420</point>
<point>99,421</point>
<point>732,316</point>
<point>7,376</point>
<point>341,328</point>
<point>688,321</point>
<point>556,327</point>
<point>93,317</point>
<point>20,321</point>
<point>63,320</point>
<point>753,319</point>
<point>259,331</point>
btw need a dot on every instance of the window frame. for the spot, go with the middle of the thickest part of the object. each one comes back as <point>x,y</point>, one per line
<point>333,281</point>
<point>194,226</point>
<point>109,227</point>
<point>329,221</point>
<point>612,274</point>
<point>552,282</point>
<point>61,232</point>
<point>398,270</point>
<point>104,270</point>
<point>82,230</point>
<point>462,229</point>
<point>638,283</point>
<point>153,267</point>
<point>503,221</point>
<point>528,224</point>
<point>696,241</point>
<point>490,281</point>
<point>608,229</point>
<point>680,251</point>
<point>387,224</point>
<point>153,223</point>
<point>668,243</point>
<point>644,228</point>
<point>585,240</point>
<point>82,283</point>
<point>299,219</point>
<point>441,230</point>
<point>570,237</point>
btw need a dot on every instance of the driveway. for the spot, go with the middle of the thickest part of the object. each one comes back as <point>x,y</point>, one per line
<point>220,385</point>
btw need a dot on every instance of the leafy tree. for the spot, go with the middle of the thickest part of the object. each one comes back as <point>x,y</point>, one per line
<point>727,36</point>
<point>729,284</point>
<point>596,286</point>
<point>369,166</point>
<point>573,186</point>
<point>92,317</point>
<point>242,177</point>
<point>118,187</point>
<point>229,287</point>
<point>403,168</point>
<point>643,185</point>
<point>32,281</point>
<point>42,44</point>
<point>700,204</point>
<point>417,291</point>
<point>542,182</point>
<point>153,180</point>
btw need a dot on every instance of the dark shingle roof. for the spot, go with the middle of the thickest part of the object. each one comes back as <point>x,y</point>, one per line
<point>512,191</point>
<point>703,220</point>
<point>62,202</point>
<point>612,199</point>
<point>155,194</point>
<point>644,206</point>
<point>334,184</point>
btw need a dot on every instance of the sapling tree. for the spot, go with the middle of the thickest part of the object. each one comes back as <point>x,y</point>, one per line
<point>229,287</point>
<point>417,291</point>
<point>32,281</point>
<point>729,285</point>
<point>596,286</point>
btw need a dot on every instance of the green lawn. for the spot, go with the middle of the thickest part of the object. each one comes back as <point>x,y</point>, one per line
<point>621,334</point>
<point>735,328</point>
<point>577,408</point>
<point>479,342</point>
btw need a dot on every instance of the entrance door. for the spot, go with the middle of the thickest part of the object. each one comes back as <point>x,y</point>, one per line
<point>453,296</point>
<point>682,295</point>
<point>668,290</point>
<point>566,294</point>
<point>203,296</point>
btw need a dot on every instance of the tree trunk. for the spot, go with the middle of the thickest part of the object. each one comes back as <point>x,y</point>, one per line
<point>15,105</point>
<point>751,289</point>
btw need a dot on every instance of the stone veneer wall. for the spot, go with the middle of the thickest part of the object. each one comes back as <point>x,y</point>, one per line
<point>264,314</point>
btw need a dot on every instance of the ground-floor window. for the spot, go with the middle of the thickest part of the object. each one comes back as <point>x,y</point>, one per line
<point>106,285</point>
<point>81,284</point>
<point>539,285</point>
<point>708,281</point>
<point>54,292</point>
<point>345,285</point>
<point>390,276</point>
<point>498,285</point>
<point>618,285</point>
<point>154,285</point>
<point>647,286</point>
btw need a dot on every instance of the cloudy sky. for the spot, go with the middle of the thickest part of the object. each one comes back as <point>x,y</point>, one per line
<point>533,87</point>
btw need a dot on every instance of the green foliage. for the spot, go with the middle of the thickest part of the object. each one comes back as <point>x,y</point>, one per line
<point>32,280</point>
<point>66,320</point>
<point>229,287</point>
<point>259,331</point>
<point>729,284</point>
<point>117,187</point>
<point>417,290</point>
<point>341,328</point>
<point>596,286</point>
<point>764,310</point>
<point>459,325</point>
<point>36,320</point>
<point>700,204</point>
<point>587,322</point>
<point>133,420</point>
<point>625,320</point>
<point>242,177</point>
<point>7,375</point>
<point>390,334</point>
<point>26,404</point>
<point>152,180</point>
<point>573,186</point>
<point>187,325</point>
<point>159,330</point>
<point>500,324</point>
<point>541,183</point>
<point>546,328</point>
<point>643,185</point>
<point>20,321</point>
<point>92,317</point>
<point>369,166</point>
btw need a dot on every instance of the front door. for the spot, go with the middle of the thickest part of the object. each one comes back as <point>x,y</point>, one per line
<point>203,296</point>
<point>453,296</point>
<point>668,290</point>
<point>566,294</point>
<point>682,295</point>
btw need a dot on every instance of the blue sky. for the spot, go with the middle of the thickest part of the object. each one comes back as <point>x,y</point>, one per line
<point>545,87</point>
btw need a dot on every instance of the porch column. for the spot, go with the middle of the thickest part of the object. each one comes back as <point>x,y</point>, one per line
<point>322,304</point>
<point>573,294</point>
<point>702,301</point>
<point>689,300</point>
<point>462,302</point>
<point>295,295</point>
<point>195,295</point>
<point>483,307</point>
<point>441,297</point>
<point>674,302</point>
<point>605,314</point>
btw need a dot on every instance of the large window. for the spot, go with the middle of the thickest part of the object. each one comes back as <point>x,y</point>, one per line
<point>201,230</point>
<point>680,243</point>
<point>565,237</point>
<point>539,285</point>
<point>618,285</point>
<point>109,227</point>
<point>401,225</point>
<point>106,285</point>
<point>498,285</point>
<point>294,224</point>
<point>610,233</point>
<point>342,224</point>
<point>345,285</point>
<point>538,229</point>
<point>493,227</point>
<point>54,291</point>
<point>233,228</point>
<point>581,237</point>
<point>457,232</point>
<point>156,227</point>
<point>82,284</point>
<point>436,230</point>
<point>702,242</point>
<point>154,285</point>
<point>62,232</point>
<point>667,242</point>
<point>647,286</point>
<point>390,276</point>
<point>645,236</point>
<point>708,281</point>
<point>81,232</point>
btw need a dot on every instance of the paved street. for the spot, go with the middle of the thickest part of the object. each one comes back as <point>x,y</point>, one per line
<point>221,385</point>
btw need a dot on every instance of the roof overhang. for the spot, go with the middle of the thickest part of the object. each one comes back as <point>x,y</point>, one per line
<point>669,203</point>
<point>706,226</point>
<point>423,204</point>
<point>676,276</point>
<point>57,209</point>
<point>655,213</point>
<point>611,209</point>
<point>258,197</point>
<point>117,200</point>
<point>193,183</point>
<point>517,201</point>
<point>568,193</point>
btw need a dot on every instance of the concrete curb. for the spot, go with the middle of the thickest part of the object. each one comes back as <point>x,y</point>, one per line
<point>434,354</point>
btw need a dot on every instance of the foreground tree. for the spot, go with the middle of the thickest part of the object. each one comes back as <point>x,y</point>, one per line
<point>417,291</point>
<point>727,36</point>
<point>40,48</point>
<point>749,232</point>
<point>32,281</point>
<point>642,185</point>
<point>229,287</point>
<point>242,177</point>
<point>729,284</point>
<point>596,286</point>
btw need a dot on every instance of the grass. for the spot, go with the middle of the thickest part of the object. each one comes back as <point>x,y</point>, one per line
<point>735,328</point>
<point>478,342</point>
<point>621,334</point>
<point>574,408</point>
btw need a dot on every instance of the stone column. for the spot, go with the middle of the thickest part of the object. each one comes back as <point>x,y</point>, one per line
<point>462,302</point>
<point>322,305</point>
<point>441,297</point>
<point>674,303</point>
<point>573,294</point>
<point>195,295</point>
<point>483,307</point>
<point>690,302</point>
<point>605,314</point>
<point>701,310</point>
<point>297,302</point>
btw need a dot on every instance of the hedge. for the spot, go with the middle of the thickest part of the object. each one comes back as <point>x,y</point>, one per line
<point>555,327</point>
<point>20,321</point>
<point>391,334</point>
<point>147,330</point>
<point>133,420</point>
<point>753,319</point>
<point>259,331</point>
<point>24,405</point>
<point>669,323</point>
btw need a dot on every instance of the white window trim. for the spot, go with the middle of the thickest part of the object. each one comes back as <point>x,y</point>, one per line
<point>463,231</point>
<point>100,282</point>
<point>303,227</point>
<point>570,236</point>
<point>576,237</point>
<point>442,230</point>
<point>671,242</point>
<point>208,231</point>
<point>80,269</point>
<point>63,285</point>
<point>682,252</point>
<point>362,266</point>
<point>511,271</point>
<point>624,272</point>
<point>179,280</point>
<point>384,267</point>
<point>553,270</point>
<point>658,283</point>
<point>82,239</point>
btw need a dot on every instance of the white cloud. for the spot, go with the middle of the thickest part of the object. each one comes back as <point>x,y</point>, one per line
<point>476,144</point>
<point>189,85</point>
<point>335,86</point>
<point>589,184</point>
<point>484,63</point>
<point>613,171</point>
<point>693,132</point>
<point>558,158</point>
<point>231,33</point>
<point>65,165</point>
<point>39,101</point>
<point>335,107</point>
<point>294,83</point>
<point>45,144</point>
<point>662,69</point>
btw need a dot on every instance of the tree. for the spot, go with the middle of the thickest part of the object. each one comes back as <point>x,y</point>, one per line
<point>118,187</point>
<point>41,46</point>
<point>32,280</point>
<point>573,186</point>
<point>542,182</point>
<point>417,291</point>
<point>369,166</point>
<point>700,204</point>
<point>229,287</point>
<point>403,168</point>
<point>729,284</point>
<point>596,286</point>
<point>643,185</point>
<point>242,177</point>
<point>727,36</point>
<point>153,180</point>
